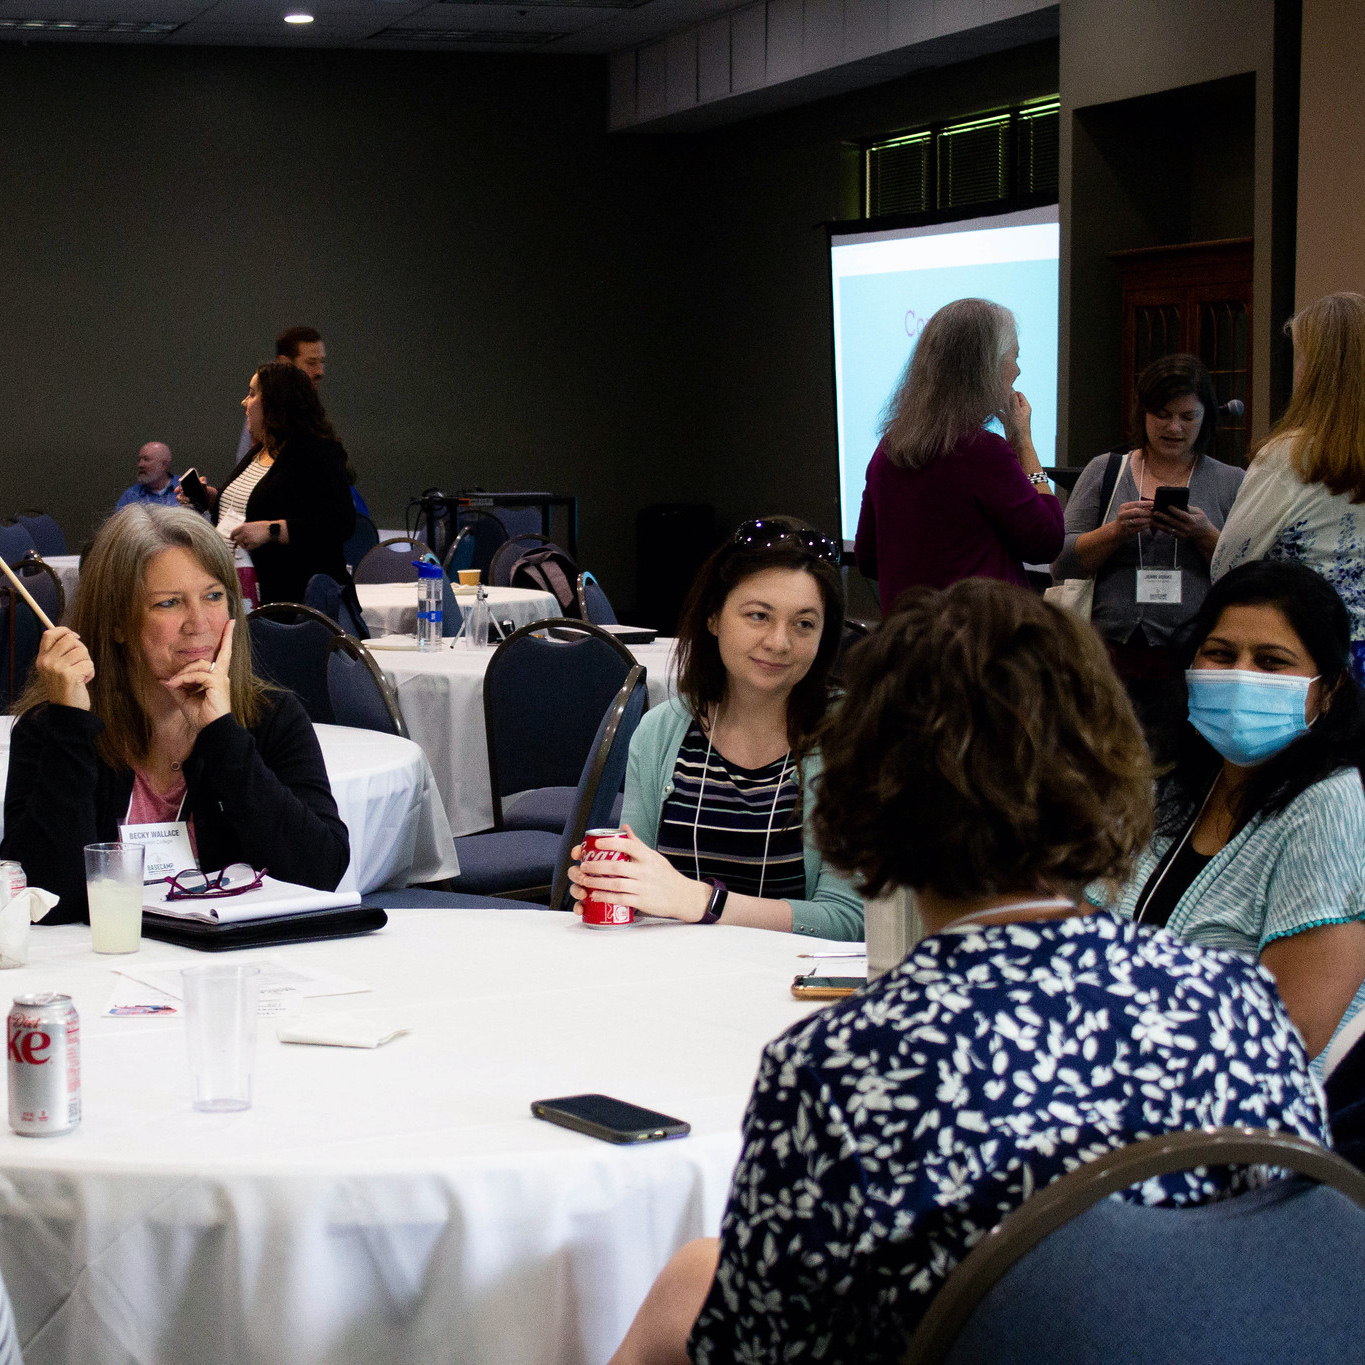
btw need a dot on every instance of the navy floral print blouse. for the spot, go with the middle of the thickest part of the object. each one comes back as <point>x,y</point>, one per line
<point>889,1132</point>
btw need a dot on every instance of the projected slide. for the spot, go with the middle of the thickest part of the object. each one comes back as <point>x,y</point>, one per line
<point>886,287</point>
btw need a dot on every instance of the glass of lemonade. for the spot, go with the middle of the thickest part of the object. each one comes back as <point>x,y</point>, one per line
<point>113,886</point>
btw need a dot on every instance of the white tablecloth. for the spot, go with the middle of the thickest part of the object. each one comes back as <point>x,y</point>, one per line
<point>391,608</point>
<point>68,569</point>
<point>388,799</point>
<point>441,697</point>
<point>398,1205</point>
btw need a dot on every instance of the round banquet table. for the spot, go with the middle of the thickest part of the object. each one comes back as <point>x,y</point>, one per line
<point>387,798</point>
<point>441,697</point>
<point>391,608</point>
<point>397,1204</point>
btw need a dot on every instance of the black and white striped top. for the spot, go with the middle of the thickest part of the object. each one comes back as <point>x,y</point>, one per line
<point>733,823</point>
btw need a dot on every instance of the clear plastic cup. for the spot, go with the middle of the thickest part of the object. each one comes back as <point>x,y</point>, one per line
<point>220,1027</point>
<point>113,887</point>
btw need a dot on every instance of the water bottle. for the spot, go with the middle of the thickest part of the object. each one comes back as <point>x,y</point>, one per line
<point>428,605</point>
<point>476,621</point>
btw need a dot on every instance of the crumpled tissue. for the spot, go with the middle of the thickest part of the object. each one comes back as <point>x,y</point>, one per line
<point>28,907</point>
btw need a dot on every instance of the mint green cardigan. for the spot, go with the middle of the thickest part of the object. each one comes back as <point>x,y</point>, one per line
<point>832,908</point>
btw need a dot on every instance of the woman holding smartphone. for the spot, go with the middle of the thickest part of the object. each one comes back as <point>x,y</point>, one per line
<point>719,783</point>
<point>1144,523</point>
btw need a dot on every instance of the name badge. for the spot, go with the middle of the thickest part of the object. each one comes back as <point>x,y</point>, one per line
<point>1158,587</point>
<point>167,848</point>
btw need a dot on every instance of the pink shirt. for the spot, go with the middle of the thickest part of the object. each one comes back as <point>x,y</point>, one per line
<point>150,807</point>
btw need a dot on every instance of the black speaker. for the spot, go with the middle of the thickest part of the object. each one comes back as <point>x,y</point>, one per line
<point>671,541</point>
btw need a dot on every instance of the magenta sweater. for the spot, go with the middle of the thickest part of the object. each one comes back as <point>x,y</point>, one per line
<point>972,513</point>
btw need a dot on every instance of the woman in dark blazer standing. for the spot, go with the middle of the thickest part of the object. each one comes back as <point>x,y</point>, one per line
<point>288,501</point>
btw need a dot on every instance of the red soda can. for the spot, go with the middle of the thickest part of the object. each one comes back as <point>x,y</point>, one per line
<point>44,1065</point>
<point>599,913</point>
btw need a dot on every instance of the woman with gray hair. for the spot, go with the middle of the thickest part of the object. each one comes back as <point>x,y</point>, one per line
<point>945,498</point>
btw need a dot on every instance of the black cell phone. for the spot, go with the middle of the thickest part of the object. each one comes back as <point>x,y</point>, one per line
<point>600,1116</point>
<point>1170,495</point>
<point>195,489</point>
<point>826,987</point>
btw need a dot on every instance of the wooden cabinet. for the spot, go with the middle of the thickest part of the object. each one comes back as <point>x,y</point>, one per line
<point>1194,298</point>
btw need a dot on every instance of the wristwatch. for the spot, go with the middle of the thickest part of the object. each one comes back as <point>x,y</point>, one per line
<point>274,530</point>
<point>714,907</point>
<point>1038,480</point>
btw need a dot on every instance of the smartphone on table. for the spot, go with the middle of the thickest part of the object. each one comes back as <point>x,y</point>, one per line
<point>195,490</point>
<point>826,987</point>
<point>600,1116</point>
<point>1168,496</point>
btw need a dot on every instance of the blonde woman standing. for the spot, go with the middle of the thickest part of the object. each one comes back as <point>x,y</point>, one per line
<point>1303,498</point>
<point>945,498</point>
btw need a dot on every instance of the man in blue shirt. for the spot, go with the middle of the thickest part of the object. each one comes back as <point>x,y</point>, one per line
<point>155,482</point>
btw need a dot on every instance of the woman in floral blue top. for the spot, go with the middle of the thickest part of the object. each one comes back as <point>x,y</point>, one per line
<point>986,756</point>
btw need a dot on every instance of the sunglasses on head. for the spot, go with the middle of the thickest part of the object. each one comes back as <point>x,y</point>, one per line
<point>766,531</point>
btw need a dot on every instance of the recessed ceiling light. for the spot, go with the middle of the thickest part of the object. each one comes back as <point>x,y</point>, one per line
<point>298,18</point>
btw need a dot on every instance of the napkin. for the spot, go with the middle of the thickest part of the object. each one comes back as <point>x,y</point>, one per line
<point>341,1029</point>
<point>28,907</point>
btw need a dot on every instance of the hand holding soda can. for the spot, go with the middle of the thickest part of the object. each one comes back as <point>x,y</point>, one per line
<point>597,912</point>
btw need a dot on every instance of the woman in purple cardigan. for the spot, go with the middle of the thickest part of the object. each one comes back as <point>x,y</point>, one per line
<point>945,498</point>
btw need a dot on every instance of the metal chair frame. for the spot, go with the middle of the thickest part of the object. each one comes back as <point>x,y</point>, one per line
<point>556,624</point>
<point>1071,1195</point>
<point>420,548</point>
<point>355,649</point>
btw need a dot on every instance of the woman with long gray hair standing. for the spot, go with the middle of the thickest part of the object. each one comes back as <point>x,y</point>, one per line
<point>947,499</point>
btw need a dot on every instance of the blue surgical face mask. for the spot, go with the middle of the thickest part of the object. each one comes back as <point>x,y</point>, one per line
<point>1247,716</point>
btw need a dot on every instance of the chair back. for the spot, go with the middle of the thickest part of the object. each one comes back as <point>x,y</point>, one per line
<point>391,561</point>
<point>47,535</point>
<point>15,543</point>
<point>361,541</point>
<point>549,569</point>
<point>519,521</point>
<point>1072,1276</point>
<point>593,603</point>
<point>360,694</point>
<point>601,777</point>
<point>507,554</point>
<point>22,630</point>
<point>543,696</point>
<point>326,595</point>
<point>486,533</point>
<point>290,646</point>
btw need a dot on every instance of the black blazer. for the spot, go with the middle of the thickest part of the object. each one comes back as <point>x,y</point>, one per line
<point>308,488</point>
<point>257,796</point>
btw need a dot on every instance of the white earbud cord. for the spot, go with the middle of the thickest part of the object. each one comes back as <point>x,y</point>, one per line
<point>772,814</point>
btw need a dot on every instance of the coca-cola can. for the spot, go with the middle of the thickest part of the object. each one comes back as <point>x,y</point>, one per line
<point>12,880</point>
<point>599,913</point>
<point>44,1065</point>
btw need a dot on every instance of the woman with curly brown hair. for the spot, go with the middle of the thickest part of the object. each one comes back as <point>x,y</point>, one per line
<point>986,756</point>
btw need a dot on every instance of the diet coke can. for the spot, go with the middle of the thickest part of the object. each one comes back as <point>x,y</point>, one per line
<point>12,880</point>
<point>598,913</point>
<point>44,1065</point>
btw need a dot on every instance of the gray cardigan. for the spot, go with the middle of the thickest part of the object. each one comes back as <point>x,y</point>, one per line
<point>1115,614</point>
<point>833,910</point>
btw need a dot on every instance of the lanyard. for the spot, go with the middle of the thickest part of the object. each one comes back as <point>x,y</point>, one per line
<point>1142,483</point>
<point>1172,853</point>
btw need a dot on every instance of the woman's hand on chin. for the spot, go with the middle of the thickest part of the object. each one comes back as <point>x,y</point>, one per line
<point>202,689</point>
<point>646,881</point>
<point>65,667</point>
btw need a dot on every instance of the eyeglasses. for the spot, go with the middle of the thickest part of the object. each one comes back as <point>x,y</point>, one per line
<point>233,880</point>
<point>765,531</point>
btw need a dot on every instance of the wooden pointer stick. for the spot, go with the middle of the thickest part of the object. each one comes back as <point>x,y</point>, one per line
<point>24,593</point>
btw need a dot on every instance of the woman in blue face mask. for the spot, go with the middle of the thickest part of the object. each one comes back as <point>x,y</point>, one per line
<point>1260,843</point>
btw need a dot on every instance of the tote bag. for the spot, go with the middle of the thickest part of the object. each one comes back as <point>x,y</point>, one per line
<point>1078,594</point>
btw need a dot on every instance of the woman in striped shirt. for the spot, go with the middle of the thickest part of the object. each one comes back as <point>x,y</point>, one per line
<point>719,784</point>
<point>1260,843</point>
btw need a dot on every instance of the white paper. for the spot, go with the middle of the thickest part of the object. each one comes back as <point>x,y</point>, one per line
<point>133,1000</point>
<point>276,978</point>
<point>343,1030</point>
<point>272,898</point>
<point>1158,587</point>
